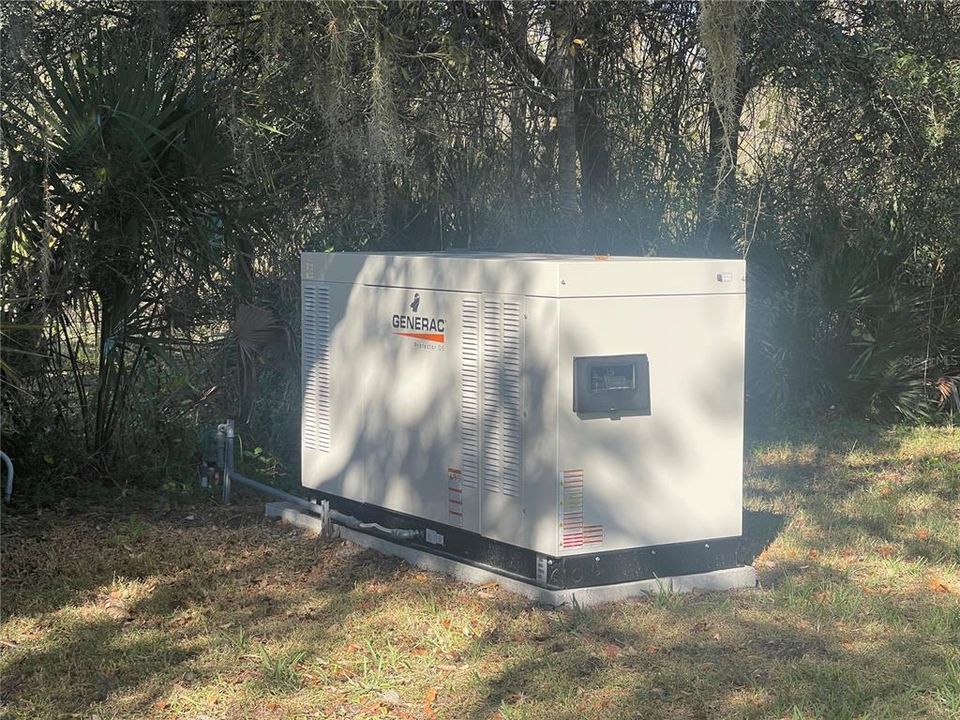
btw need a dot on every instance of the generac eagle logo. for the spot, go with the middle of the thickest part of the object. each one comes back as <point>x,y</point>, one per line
<point>420,327</point>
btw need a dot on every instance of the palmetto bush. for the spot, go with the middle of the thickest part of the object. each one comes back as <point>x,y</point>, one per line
<point>859,330</point>
<point>115,225</point>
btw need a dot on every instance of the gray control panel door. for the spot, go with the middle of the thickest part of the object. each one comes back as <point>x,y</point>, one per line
<point>611,386</point>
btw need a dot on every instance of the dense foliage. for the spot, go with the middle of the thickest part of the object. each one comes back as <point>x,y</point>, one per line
<point>165,163</point>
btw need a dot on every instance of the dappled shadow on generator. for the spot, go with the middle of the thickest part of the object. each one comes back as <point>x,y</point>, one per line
<point>404,440</point>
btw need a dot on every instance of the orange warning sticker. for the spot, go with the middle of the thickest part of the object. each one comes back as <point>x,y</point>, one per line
<point>429,337</point>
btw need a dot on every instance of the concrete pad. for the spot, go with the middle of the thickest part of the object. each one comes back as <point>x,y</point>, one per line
<point>727,579</point>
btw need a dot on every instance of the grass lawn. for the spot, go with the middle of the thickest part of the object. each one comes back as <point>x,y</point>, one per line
<point>208,612</point>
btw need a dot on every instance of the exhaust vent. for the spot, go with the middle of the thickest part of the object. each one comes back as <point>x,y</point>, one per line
<point>316,367</point>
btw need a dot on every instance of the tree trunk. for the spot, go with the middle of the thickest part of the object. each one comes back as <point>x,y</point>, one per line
<point>114,283</point>
<point>243,272</point>
<point>718,191</point>
<point>568,195</point>
<point>592,137</point>
<point>594,151</point>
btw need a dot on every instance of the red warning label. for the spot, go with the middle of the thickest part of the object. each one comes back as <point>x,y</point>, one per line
<point>573,532</point>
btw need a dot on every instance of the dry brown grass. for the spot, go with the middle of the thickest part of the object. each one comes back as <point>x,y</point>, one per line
<point>127,612</point>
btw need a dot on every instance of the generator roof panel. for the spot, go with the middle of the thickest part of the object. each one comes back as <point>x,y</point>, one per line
<point>530,274</point>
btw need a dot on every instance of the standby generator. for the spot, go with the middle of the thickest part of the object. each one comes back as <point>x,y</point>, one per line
<point>563,420</point>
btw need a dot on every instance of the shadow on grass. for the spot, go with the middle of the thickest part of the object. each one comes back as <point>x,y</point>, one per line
<point>99,661</point>
<point>211,602</point>
<point>760,528</point>
<point>834,473</point>
<point>244,584</point>
<point>711,665</point>
<point>815,643</point>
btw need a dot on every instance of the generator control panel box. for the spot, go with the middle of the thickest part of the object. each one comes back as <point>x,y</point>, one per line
<point>611,386</point>
<point>524,409</point>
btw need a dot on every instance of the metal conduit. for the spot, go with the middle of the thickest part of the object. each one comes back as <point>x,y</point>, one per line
<point>8,490</point>
<point>225,438</point>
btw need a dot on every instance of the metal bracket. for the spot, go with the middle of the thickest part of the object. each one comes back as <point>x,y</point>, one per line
<point>328,528</point>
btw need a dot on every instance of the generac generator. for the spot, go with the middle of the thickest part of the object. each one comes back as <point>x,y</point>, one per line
<point>567,421</point>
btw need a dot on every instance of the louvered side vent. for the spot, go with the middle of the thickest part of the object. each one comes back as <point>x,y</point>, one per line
<point>510,399</point>
<point>492,363</point>
<point>470,392</point>
<point>501,397</point>
<point>316,367</point>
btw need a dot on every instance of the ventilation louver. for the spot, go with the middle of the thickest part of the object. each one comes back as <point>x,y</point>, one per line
<point>316,367</point>
<point>501,397</point>
<point>470,392</point>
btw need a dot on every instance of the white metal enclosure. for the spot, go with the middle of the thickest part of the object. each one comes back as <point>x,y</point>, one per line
<point>560,404</point>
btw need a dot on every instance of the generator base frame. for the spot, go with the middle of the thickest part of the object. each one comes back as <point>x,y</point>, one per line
<point>733,578</point>
<point>568,572</point>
